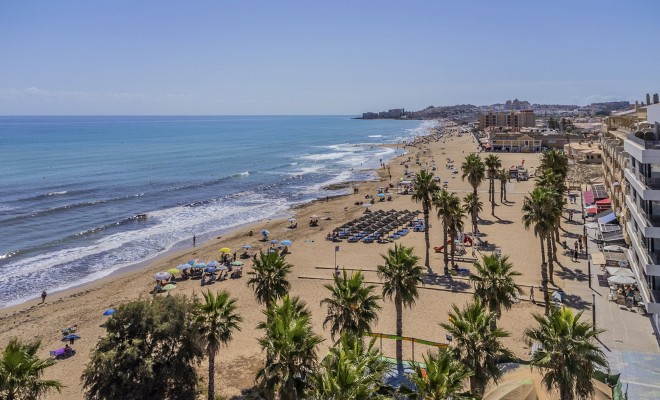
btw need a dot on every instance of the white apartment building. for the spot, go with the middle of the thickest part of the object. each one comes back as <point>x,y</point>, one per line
<point>642,206</point>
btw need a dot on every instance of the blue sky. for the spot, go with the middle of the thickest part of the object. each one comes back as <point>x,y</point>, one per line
<point>313,57</point>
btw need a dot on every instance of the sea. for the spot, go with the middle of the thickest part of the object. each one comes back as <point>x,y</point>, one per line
<point>71,187</point>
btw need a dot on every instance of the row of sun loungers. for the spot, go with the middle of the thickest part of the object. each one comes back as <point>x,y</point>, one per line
<point>379,226</point>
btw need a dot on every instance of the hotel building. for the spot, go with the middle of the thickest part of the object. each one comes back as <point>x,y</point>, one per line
<point>631,162</point>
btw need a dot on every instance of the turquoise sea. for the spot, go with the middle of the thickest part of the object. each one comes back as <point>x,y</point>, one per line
<point>70,187</point>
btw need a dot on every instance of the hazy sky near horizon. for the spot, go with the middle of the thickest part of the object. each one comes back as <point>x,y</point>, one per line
<point>334,57</point>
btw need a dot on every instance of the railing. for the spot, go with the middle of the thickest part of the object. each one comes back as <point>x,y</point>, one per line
<point>647,144</point>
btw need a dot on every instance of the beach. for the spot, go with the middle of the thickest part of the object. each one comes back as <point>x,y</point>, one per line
<point>312,257</point>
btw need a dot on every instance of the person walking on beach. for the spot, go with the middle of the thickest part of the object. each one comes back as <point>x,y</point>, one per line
<point>194,240</point>
<point>43,297</point>
<point>531,295</point>
<point>576,255</point>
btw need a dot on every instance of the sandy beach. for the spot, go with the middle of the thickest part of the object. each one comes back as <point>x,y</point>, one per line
<point>313,259</point>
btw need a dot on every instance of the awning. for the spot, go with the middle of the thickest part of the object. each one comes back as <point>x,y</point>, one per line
<point>604,202</point>
<point>588,197</point>
<point>606,219</point>
<point>614,271</point>
<point>598,258</point>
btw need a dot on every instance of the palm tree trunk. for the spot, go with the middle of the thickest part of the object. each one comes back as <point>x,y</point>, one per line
<point>551,263</point>
<point>544,278</point>
<point>474,386</point>
<point>554,249</point>
<point>453,251</point>
<point>426,234</point>
<point>444,243</point>
<point>504,191</point>
<point>475,213</point>
<point>211,395</point>
<point>399,331</point>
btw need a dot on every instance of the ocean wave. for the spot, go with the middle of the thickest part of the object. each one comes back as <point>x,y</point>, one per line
<point>324,156</point>
<point>48,211</point>
<point>109,253</point>
<point>375,136</point>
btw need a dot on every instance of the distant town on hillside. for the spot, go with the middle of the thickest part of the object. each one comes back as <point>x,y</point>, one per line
<point>469,112</point>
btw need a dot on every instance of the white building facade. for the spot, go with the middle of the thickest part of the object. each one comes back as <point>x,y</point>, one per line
<point>642,207</point>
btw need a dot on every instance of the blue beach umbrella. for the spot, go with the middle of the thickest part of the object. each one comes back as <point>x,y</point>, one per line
<point>183,266</point>
<point>265,232</point>
<point>274,241</point>
<point>212,264</point>
<point>210,270</point>
<point>200,265</point>
<point>192,262</point>
<point>247,246</point>
<point>381,195</point>
<point>109,312</point>
<point>69,337</point>
<point>286,242</point>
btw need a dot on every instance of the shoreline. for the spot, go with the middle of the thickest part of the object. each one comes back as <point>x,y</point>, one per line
<point>179,249</point>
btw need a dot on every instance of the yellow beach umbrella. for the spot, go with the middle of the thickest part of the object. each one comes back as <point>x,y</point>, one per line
<point>225,250</point>
<point>173,271</point>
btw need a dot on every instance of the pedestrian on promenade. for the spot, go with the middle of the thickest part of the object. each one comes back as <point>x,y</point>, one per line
<point>580,243</point>
<point>576,255</point>
<point>531,295</point>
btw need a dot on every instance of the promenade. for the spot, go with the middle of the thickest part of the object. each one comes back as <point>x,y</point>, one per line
<point>629,341</point>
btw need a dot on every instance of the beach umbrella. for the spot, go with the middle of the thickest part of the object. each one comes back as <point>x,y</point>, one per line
<point>169,287</point>
<point>70,337</point>
<point>246,246</point>
<point>183,266</point>
<point>109,312</point>
<point>200,265</point>
<point>212,264</point>
<point>162,276</point>
<point>192,262</point>
<point>210,270</point>
<point>367,205</point>
<point>173,271</point>
<point>265,232</point>
<point>381,195</point>
<point>286,242</point>
<point>314,216</point>
<point>274,241</point>
<point>292,220</point>
<point>225,250</point>
<point>237,263</point>
<point>556,296</point>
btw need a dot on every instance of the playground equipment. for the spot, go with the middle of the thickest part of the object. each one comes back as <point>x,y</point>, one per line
<point>466,240</point>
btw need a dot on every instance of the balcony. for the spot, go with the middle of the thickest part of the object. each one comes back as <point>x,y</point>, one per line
<point>649,296</point>
<point>647,144</point>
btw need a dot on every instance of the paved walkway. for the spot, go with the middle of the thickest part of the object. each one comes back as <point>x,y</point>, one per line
<point>629,341</point>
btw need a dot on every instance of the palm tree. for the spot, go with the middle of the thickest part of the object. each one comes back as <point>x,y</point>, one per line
<point>478,346</point>
<point>425,186</point>
<point>216,321</point>
<point>492,162</point>
<point>352,370</point>
<point>21,371</point>
<point>494,284</point>
<point>473,206</point>
<point>446,205</point>
<point>401,275</point>
<point>290,346</point>
<point>475,171</point>
<point>503,176</point>
<point>455,227</point>
<point>269,280</point>
<point>352,307</point>
<point>568,356</point>
<point>538,214</point>
<point>555,160</point>
<point>442,378</point>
